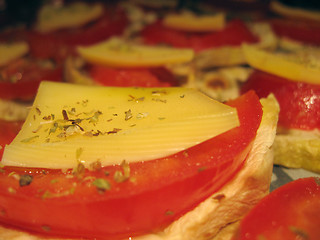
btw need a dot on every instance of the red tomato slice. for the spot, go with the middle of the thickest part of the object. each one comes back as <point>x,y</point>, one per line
<point>21,79</point>
<point>8,131</point>
<point>304,31</point>
<point>299,102</point>
<point>156,193</point>
<point>234,34</point>
<point>290,212</point>
<point>153,77</point>
<point>60,44</point>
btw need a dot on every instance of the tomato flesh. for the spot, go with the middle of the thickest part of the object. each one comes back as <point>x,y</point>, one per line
<point>299,102</point>
<point>290,212</point>
<point>303,31</point>
<point>156,193</point>
<point>8,131</point>
<point>234,34</point>
<point>60,44</point>
<point>141,77</point>
<point>21,79</point>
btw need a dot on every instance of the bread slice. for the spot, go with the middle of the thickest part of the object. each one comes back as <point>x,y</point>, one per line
<point>298,149</point>
<point>217,216</point>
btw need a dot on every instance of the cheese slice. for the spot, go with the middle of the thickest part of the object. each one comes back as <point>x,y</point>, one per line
<point>293,66</point>
<point>119,53</point>
<point>294,12</point>
<point>12,51</point>
<point>55,17</point>
<point>188,21</point>
<point>71,123</point>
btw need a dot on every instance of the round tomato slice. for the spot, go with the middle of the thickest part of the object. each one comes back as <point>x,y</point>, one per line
<point>118,202</point>
<point>139,77</point>
<point>299,102</point>
<point>290,212</point>
<point>235,33</point>
<point>21,79</point>
<point>304,31</point>
<point>8,131</point>
<point>60,44</point>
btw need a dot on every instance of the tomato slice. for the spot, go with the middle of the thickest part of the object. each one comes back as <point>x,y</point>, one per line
<point>304,31</point>
<point>235,33</point>
<point>299,102</point>
<point>81,203</point>
<point>21,79</point>
<point>8,131</point>
<point>290,212</point>
<point>139,77</point>
<point>60,44</point>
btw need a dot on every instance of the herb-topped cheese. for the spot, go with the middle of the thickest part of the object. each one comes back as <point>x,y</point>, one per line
<point>296,66</point>
<point>117,52</point>
<point>69,123</point>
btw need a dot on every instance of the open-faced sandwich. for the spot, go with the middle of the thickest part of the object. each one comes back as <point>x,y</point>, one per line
<point>20,71</point>
<point>119,62</point>
<point>153,156</point>
<point>139,163</point>
<point>293,77</point>
<point>59,28</point>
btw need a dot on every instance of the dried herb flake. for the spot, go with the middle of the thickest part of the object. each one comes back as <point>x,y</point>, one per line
<point>124,175</point>
<point>128,115</point>
<point>25,180</point>
<point>102,184</point>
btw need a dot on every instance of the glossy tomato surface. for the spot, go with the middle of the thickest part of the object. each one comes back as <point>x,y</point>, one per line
<point>8,131</point>
<point>304,31</point>
<point>140,77</point>
<point>234,34</point>
<point>299,102</point>
<point>290,212</point>
<point>21,79</point>
<point>117,202</point>
<point>60,44</point>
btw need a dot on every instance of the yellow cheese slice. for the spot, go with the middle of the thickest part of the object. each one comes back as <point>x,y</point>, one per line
<point>55,17</point>
<point>71,123</point>
<point>118,53</point>
<point>188,21</point>
<point>292,66</point>
<point>12,51</point>
<point>294,12</point>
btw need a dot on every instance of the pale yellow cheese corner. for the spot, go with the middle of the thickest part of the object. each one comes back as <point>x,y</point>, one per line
<point>71,123</point>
